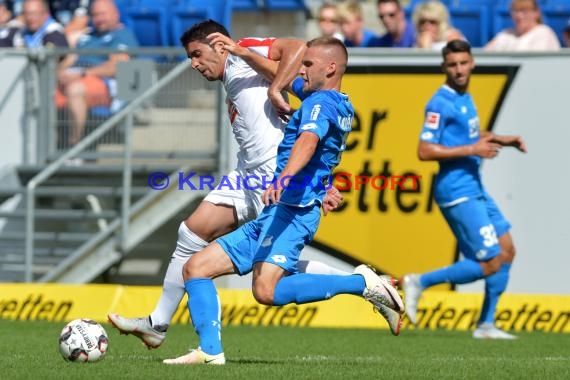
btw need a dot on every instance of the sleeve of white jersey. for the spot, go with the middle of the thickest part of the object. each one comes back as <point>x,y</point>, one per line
<point>261,46</point>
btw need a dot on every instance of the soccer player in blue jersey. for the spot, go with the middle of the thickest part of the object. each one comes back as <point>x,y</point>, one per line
<point>270,245</point>
<point>451,136</point>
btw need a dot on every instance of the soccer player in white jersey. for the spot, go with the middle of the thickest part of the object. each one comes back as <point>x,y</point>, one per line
<point>258,129</point>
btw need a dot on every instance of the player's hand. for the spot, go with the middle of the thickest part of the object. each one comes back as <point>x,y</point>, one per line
<point>333,199</point>
<point>229,44</point>
<point>486,148</point>
<point>516,142</point>
<point>425,40</point>
<point>278,101</point>
<point>520,144</point>
<point>273,192</point>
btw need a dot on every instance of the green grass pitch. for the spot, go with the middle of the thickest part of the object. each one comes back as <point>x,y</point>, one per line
<point>29,351</point>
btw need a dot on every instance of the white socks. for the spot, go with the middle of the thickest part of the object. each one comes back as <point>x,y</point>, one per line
<point>316,267</point>
<point>173,285</point>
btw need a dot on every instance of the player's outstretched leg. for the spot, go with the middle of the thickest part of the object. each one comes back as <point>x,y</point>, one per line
<point>412,293</point>
<point>151,330</point>
<point>139,327</point>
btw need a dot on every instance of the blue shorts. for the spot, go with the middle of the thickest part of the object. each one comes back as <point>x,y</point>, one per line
<point>277,236</point>
<point>477,223</point>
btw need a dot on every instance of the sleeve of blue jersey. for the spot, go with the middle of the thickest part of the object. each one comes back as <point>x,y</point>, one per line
<point>432,133</point>
<point>297,87</point>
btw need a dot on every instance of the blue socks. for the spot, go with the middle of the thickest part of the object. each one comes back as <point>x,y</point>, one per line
<point>495,285</point>
<point>462,272</point>
<point>204,307</point>
<point>304,287</point>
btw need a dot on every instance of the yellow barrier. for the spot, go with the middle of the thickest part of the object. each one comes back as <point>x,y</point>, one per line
<point>438,309</point>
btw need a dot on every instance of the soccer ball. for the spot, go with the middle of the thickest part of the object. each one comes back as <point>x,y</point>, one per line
<point>83,340</point>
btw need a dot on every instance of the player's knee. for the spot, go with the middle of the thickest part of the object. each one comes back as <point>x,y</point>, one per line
<point>192,269</point>
<point>263,293</point>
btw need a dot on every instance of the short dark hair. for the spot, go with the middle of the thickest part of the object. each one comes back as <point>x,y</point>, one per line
<point>397,2</point>
<point>201,30</point>
<point>456,46</point>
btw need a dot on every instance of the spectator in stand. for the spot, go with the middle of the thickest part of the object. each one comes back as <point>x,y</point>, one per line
<point>5,14</point>
<point>566,34</point>
<point>329,21</point>
<point>352,25</point>
<point>39,29</point>
<point>73,14</point>
<point>434,31</point>
<point>88,81</point>
<point>399,32</point>
<point>528,34</point>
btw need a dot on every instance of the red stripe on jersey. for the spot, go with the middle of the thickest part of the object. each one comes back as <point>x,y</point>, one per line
<point>248,42</point>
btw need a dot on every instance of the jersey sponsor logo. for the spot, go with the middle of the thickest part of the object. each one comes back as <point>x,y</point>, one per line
<point>315,111</point>
<point>308,126</point>
<point>432,120</point>
<point>279,259</point>
<point>427,136</point>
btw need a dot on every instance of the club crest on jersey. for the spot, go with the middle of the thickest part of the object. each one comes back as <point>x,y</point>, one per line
<point>432,120</point>
<point>315,111</point>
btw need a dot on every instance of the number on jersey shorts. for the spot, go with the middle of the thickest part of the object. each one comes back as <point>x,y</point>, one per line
<point>477,223</point>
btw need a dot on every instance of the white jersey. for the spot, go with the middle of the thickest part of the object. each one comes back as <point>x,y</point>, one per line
<point>255,124</point>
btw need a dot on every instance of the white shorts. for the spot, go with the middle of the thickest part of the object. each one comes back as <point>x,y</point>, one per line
<point>242,189</point>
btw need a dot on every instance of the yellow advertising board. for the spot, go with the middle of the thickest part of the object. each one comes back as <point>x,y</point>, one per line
<point>397,229</point>
<point>437,309</point>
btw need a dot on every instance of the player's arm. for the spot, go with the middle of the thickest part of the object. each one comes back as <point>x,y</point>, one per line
<point>264,66</point>
<point>485,147</point>
<point>301,154</point>
<point>508,140</point>
<point>289,52</point>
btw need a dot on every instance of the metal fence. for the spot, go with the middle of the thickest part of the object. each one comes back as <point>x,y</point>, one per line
<point>172,126</point>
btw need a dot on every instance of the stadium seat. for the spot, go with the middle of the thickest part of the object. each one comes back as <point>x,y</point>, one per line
<point>501,19</point>
<point>247,5</point>
<point>148,24</point>
<point>220,10</point>
<point>556,16</point>
<point>184,17</point>
<point>285,5</point>
<point>473,22</point>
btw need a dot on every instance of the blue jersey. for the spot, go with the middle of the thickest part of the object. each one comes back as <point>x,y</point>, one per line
<point>120,39</point>
<point>451,120</point>
<point>328,114</point>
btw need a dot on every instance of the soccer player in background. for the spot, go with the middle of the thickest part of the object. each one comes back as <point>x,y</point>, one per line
<point>451,136</point>
<point>258,129</point>
<point>270,245</point>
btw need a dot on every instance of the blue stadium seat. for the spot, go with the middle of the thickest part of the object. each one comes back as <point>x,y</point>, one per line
<point>473,22</point>
<point>247,5</point>
<point>184,17</point>
<point>220,10</point>
<point>148,24</point>
<point>285,5</point>
<point>556,16</point>
<point>501,19</point>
